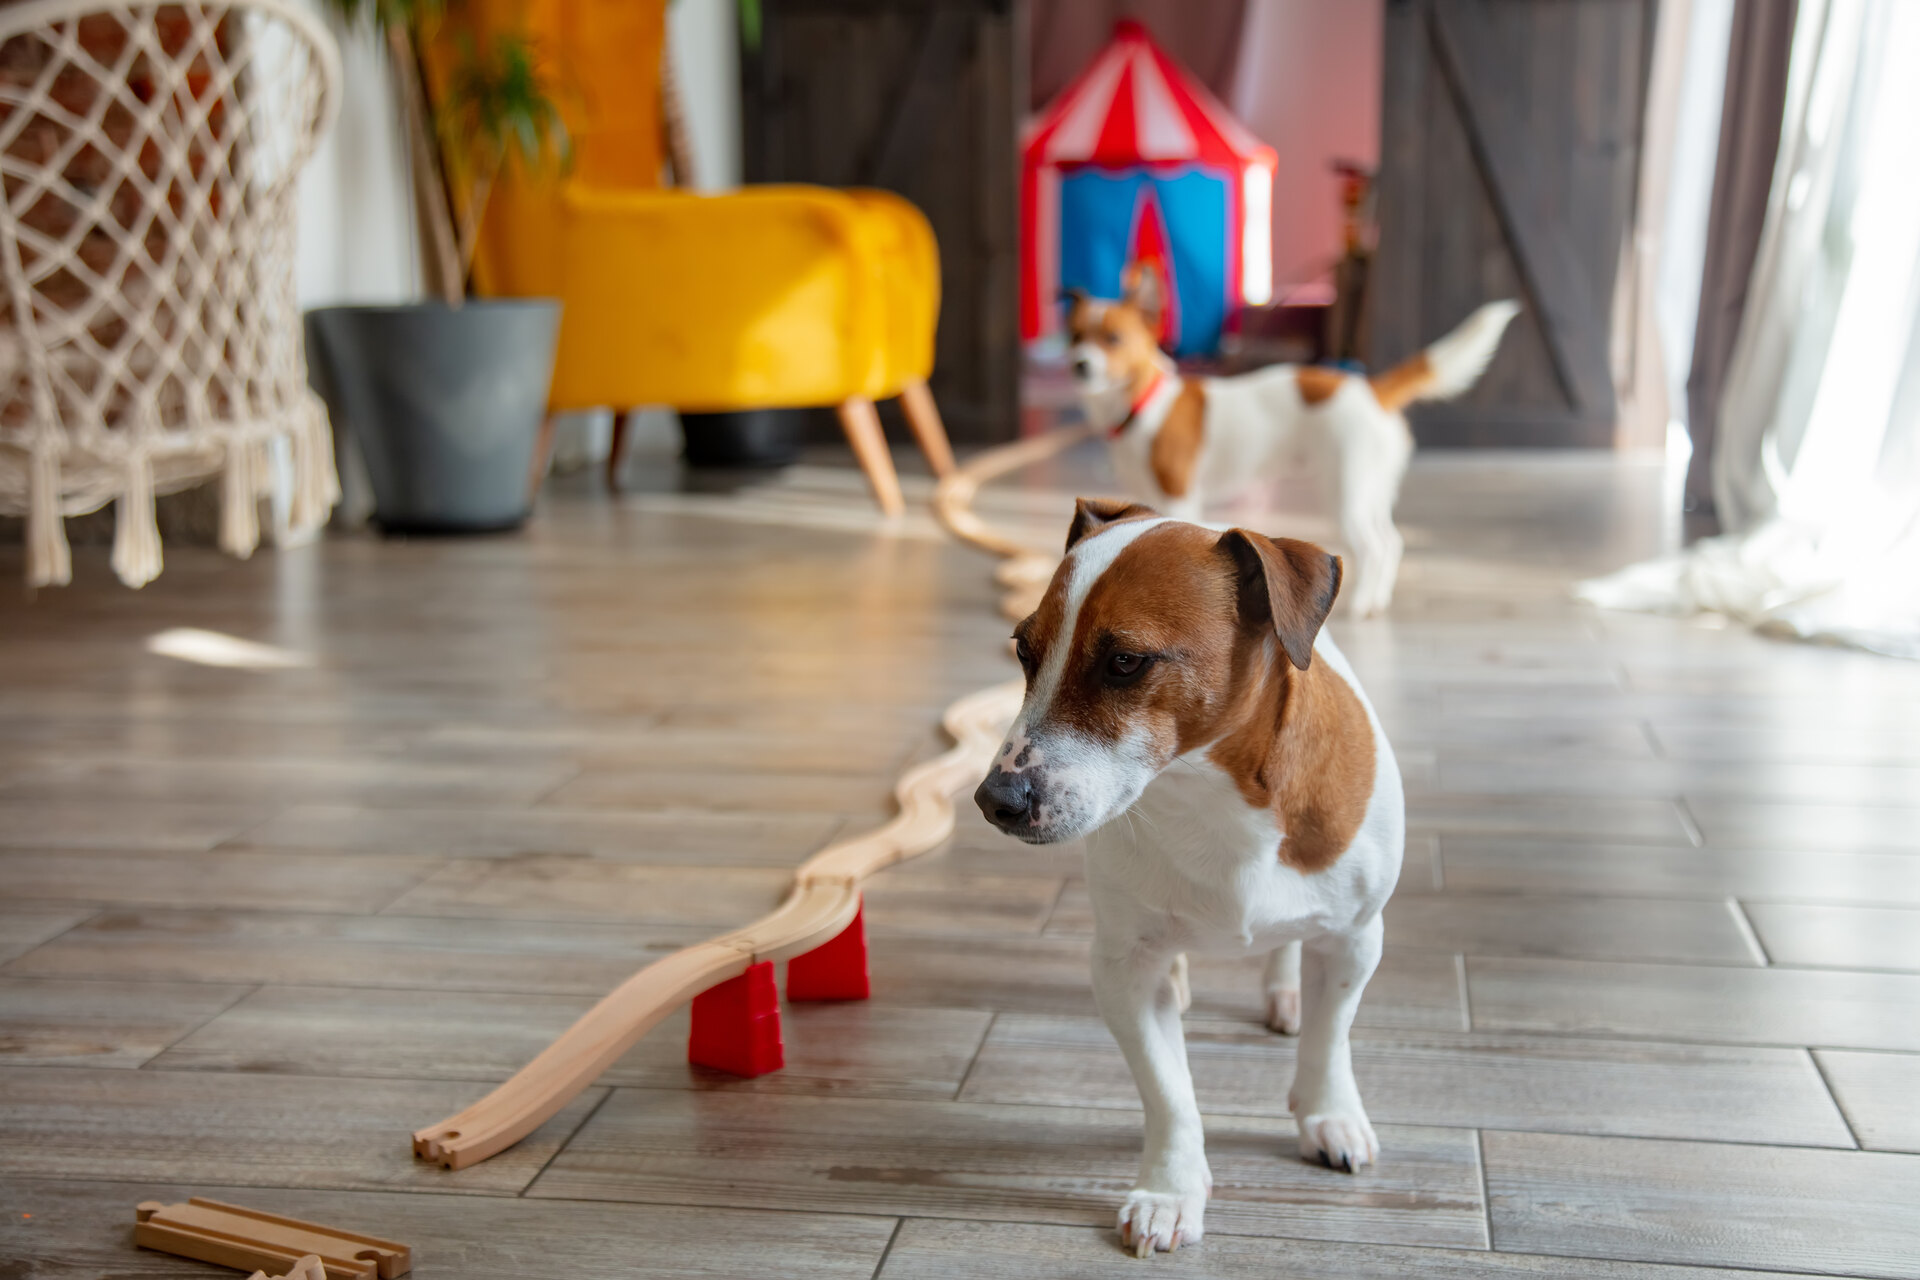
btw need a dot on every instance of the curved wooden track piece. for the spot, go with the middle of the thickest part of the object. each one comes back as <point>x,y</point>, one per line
<point>824,897</point>
<point>1024,570</point>
<point>825,894</point>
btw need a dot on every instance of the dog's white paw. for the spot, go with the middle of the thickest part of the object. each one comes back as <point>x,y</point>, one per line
<point>1155,1222</point>
<point>1283,1010</point>
<point>1342,1140</point>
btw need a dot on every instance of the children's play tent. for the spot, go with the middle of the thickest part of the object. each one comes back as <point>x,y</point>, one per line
<point>1136,161</point>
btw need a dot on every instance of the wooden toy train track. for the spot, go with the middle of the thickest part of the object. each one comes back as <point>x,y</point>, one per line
<point>823,902</point>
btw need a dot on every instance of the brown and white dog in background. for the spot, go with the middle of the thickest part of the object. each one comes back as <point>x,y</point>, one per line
<point>1188,717</point>
<point>1182,444</point>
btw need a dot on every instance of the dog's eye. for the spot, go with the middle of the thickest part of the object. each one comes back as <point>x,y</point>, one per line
<point>1123,667</point>
<point>1023,651</point>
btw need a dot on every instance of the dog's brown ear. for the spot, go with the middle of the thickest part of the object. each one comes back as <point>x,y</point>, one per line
<point>1140,284</point>
<point>1091,515</point>
<point>1285,583</point>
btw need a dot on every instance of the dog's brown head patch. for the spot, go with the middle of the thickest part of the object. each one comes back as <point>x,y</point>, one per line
<point>1174,639</point>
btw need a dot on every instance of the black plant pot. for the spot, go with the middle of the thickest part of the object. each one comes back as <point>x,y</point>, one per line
<point>445,403</point>
<point>747,438</point>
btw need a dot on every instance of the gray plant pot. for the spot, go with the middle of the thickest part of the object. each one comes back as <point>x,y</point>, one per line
<point>444,403</point>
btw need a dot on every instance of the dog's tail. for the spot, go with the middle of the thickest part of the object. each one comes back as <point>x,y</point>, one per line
<point>1449,366</point>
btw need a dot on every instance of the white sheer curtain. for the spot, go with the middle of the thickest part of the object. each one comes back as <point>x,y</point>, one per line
<point>1817,469</point>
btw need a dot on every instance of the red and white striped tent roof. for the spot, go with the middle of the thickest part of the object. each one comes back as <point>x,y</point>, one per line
<point>1135,103</point>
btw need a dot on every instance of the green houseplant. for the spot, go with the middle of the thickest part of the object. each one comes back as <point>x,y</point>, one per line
<point>445,397</point>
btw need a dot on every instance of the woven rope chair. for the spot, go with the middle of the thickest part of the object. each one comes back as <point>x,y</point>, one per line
<point>150,339</point>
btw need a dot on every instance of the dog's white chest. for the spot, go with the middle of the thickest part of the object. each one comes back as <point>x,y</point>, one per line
<point>1192,865</point>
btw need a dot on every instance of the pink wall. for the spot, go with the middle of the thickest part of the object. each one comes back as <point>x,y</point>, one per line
<point>1308,83</point>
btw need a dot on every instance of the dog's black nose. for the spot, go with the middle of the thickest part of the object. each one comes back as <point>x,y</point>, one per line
<point>1006,799</point>
<point>1082,368</point>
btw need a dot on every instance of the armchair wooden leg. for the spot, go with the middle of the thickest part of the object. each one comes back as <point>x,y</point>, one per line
<point>617,449</point>
<point>542,455</point>
<point>862,425</point>
<point>923,415</point>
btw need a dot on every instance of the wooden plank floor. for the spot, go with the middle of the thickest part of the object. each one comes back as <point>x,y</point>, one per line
<point>1650,1007</point>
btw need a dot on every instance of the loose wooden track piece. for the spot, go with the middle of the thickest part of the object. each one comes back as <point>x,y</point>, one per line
<point>230,1236</point>
<point>835,970</point>
<point>736,1025</point>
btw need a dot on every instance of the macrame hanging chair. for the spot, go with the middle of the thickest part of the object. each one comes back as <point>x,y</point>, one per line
<point>149,338</point>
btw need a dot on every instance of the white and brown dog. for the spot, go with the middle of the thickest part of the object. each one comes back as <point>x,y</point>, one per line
<point>1186,715</point>
<point>1182,443</point>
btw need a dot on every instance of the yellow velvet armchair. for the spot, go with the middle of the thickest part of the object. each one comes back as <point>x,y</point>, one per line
<point>769,297</point>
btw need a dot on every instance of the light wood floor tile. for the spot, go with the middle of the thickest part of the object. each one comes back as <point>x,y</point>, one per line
<point>284,780</point>
<point>706,790</point>
<point>1589,817</point>
<point>1021,1164</point>
<point>1597,928</point>
<point>1073,916</point>
<point>1843,827</point>
<point>1832,746</point>
<point>1800,782</point>
<point>24,927</point>
<point>82,1231</point>
<point>1511,864</point>
<point>1717,1005</point>
<point>107,823</point>
<point>1415,989</point>
<point>933,1249</point>
<point>362,951</point>
<point>1877,1091</point>
<point>713,839</point>
<point>633,746</point>
<point>1847,1212</point>
<point>562,888</point>
<point>317,882</point>
<point>1545,737</point>
<point>930,903</point>
<point>854,1048</point>
<point>1546,1083</point>
<point>1840,937</point>
<point>1785,713</point>
<point>568,888</point>
<point>271,1131</point>
<point>53,1022</point>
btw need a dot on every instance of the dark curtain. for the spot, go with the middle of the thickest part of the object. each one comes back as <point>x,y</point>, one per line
<point>1756,94</point>
<point>1203,37</point>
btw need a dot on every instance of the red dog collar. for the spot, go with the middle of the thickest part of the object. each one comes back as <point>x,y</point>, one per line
<point>1139,403</point>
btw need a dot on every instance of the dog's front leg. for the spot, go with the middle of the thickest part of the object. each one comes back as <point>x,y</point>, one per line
<point>1325,1100</point>
<point>1136,997</point>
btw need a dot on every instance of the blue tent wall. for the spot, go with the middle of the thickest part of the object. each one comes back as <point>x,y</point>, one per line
<point>1096,219</point>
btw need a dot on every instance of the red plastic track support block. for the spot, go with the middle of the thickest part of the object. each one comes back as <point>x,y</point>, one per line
<point>736,1025</point>
<point>835,970</point>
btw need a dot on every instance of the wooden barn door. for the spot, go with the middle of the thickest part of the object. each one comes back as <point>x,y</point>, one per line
<point>1510,145</point>
<point>920,97</point>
